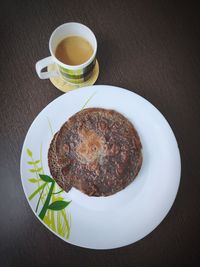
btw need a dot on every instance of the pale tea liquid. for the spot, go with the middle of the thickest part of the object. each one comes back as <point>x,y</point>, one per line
<point>74,50</point>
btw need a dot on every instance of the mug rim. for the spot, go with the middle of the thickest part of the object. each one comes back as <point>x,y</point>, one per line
<point>73,67</point>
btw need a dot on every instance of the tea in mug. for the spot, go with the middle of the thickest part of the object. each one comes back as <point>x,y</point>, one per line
<point>74,50</point>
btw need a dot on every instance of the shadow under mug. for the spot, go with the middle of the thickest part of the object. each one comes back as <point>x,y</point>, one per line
<point>73,74</point>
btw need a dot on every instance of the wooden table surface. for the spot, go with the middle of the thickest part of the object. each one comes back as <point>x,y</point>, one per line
<point>148,47</point>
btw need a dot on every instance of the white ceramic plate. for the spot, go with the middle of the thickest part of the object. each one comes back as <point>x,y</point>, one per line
<point>103,222</point>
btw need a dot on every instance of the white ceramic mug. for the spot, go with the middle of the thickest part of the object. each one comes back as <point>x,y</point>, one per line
<point>72,74</point>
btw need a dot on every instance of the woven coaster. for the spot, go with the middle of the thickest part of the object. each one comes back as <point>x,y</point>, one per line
<point>64,86</point>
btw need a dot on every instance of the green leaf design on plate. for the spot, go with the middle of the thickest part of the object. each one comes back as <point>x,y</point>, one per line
<point>46,178</point>
<point>33,180</point>
<point>58,198</point>
<point>32,170</point>
<point>37,191</point>
<point>46,190</point>
<point>36,170</point>
<point>59,205</point>
<point>58,192</point>
<point>29,152</point>
<point>46,203</point>
<point>33,162</point>
<point>88,100</point>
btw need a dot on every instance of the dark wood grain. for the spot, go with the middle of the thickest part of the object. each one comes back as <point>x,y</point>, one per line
<point>148,47</point>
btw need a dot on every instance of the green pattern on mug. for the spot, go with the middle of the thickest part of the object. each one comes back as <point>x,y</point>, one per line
<point>77,76</point>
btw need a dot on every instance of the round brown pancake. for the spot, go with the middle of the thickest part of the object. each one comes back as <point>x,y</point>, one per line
<point>97,151</point>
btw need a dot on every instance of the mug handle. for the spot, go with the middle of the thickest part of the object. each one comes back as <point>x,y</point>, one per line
<point>43,63</point>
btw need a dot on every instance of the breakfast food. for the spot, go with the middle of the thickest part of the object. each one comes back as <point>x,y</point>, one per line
<point>97,151</point>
